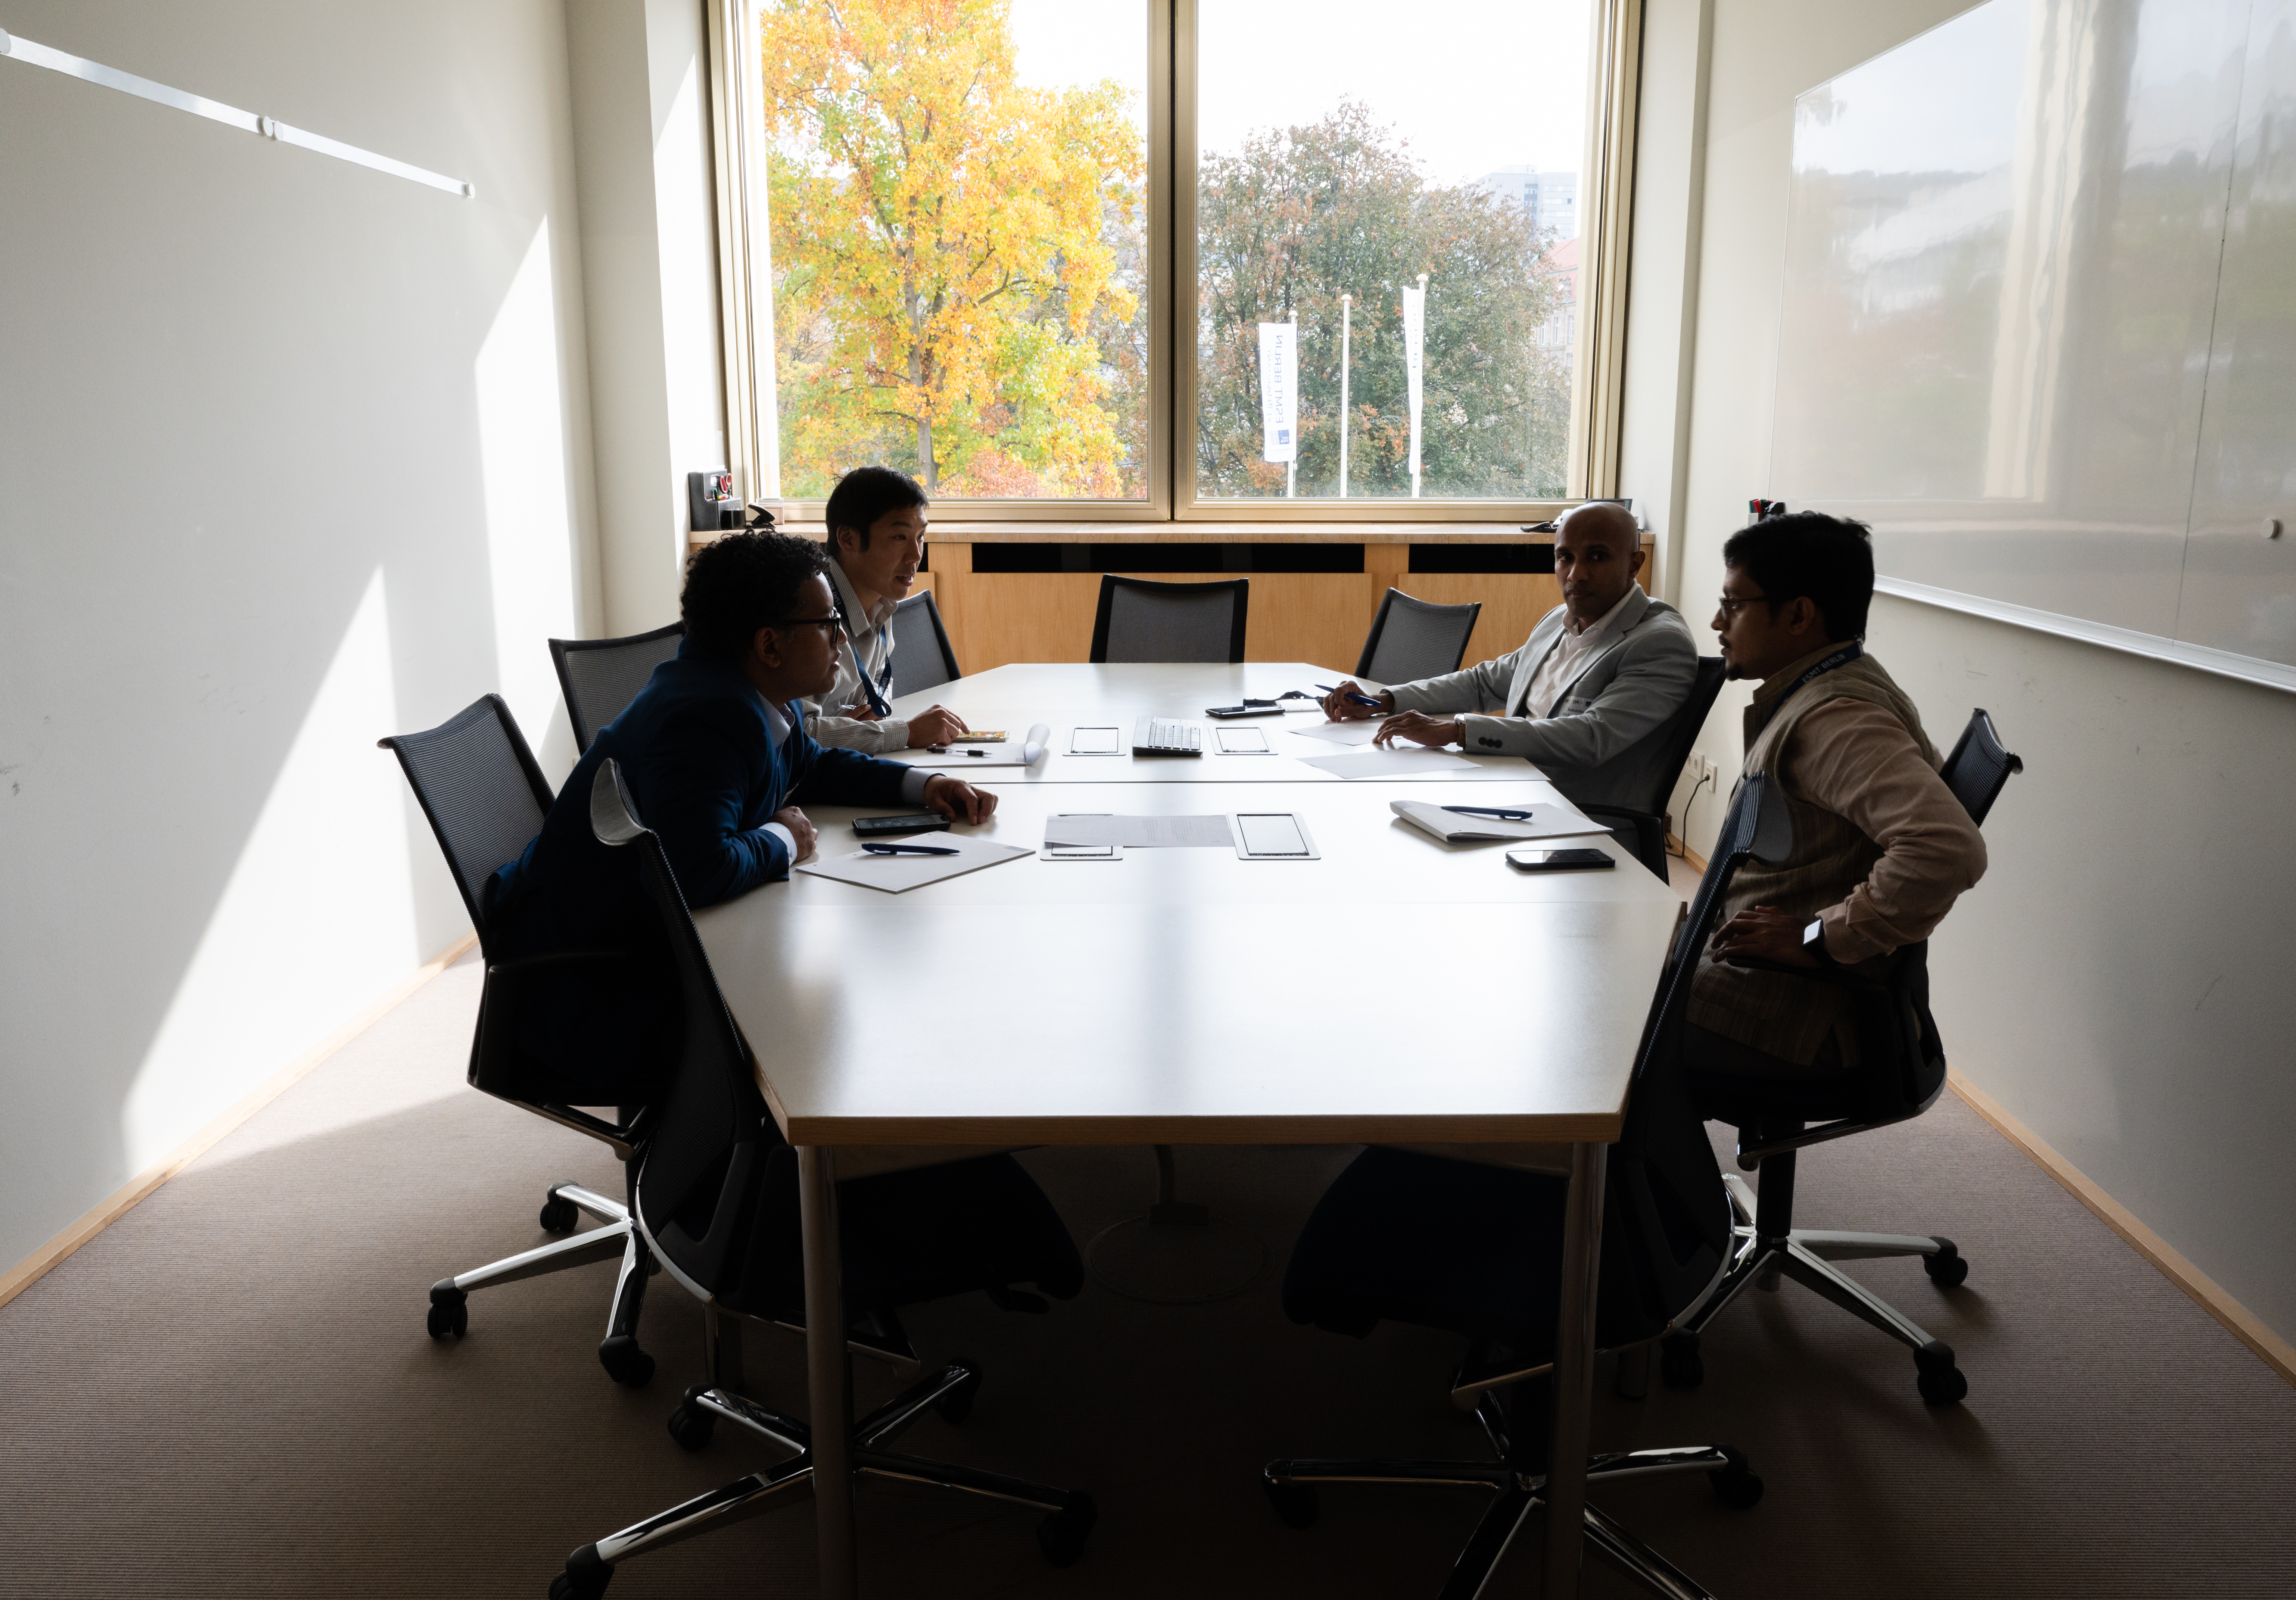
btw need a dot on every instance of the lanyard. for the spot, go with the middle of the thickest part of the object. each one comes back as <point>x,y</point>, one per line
<point>878,703</point>
<point>1841,658</point>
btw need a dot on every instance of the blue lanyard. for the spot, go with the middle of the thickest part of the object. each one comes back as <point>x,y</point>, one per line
<point>1841,658</point>
<point>878,703</point>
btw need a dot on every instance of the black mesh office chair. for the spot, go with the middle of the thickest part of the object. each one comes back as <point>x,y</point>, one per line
<point>1477,1250</point>
<point>1143,621</point>
<point>1643,829</point>
<point>1901,1073</point>
<point>601,676</point>
<point>921,656</point>
<point>477,782</point>
<point>1411,639</point>
<point>716,1199</point>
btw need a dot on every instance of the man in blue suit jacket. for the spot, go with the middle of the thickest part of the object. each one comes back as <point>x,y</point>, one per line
<point>714,754</point>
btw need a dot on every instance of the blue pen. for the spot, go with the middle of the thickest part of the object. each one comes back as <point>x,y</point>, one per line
<point>1501,812</point>
<point>910,850</point>
<point>1361,700</point>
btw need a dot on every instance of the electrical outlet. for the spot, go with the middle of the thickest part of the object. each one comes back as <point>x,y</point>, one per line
<point>1709,771</point>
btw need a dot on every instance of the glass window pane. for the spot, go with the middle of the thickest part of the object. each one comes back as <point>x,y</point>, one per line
<point>958,195</point>
<point>1348,152</point>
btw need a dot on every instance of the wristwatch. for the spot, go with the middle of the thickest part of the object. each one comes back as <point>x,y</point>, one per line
<point>1813,940</point>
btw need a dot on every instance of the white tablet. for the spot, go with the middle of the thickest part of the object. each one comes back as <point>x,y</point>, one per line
<point>1273,836</point>
<point>1096,741</point>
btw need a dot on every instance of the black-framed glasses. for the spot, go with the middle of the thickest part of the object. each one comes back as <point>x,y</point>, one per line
<point>1728,605</point>
<point>834,623</point>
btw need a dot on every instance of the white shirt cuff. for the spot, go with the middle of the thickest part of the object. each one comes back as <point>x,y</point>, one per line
<point>913,785</point>
<point>788,839</point>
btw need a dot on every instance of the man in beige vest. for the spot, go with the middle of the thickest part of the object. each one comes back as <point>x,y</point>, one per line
<point>1881,846</point>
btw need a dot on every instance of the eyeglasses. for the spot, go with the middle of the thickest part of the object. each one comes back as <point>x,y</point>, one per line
<point>1729,606</point>
<point>834,623</point>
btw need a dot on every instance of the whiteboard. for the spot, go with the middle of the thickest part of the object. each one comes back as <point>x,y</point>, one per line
<point>2039,324</point>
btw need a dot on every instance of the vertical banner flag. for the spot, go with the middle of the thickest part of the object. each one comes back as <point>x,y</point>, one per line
<point>1279,398</point>
<point>1414,343</point>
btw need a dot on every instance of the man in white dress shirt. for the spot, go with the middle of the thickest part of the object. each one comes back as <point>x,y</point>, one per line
<point>1597,675</point>
<point>877,521</point>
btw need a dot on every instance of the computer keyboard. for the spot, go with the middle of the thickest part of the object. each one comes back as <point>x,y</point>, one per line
<point>1167,736</point>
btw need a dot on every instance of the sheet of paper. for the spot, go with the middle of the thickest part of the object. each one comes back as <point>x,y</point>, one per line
<point>1338,732</point>
<point>1146,832</point>
<point>897,874</point>
<point>1394,761</point>
<point>1242,741</point>
<point>1546,821</point>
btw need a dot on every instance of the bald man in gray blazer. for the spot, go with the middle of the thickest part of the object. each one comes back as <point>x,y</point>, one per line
<point>1598,675</point>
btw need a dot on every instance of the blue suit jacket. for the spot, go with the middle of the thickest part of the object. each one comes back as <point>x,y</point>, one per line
<point>699,756</point>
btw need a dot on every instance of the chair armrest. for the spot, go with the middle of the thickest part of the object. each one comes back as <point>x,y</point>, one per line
<point>1623,814</point>
<point>518,966</point>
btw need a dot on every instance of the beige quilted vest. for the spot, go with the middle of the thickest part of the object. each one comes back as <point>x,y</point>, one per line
<point>1790,1017</point>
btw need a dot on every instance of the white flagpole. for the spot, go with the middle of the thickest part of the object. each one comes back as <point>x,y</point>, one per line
<point>1291,467</point>
<point>1415,360</point>
<point>1346,336</point>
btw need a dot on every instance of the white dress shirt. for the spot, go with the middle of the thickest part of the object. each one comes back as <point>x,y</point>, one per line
<point>841,716</point>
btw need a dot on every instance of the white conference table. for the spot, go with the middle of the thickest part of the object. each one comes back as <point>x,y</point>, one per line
<point>1065,696</point>
<point>1129,1008</point>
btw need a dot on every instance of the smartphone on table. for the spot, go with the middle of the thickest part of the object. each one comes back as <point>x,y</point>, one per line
<point>1560,861</point>
<point>888,827</point>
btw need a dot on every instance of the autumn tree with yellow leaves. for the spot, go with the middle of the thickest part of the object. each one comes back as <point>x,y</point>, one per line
<point>956,256</point>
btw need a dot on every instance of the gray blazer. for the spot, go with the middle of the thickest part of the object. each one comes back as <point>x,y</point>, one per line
<point>1595,748</point>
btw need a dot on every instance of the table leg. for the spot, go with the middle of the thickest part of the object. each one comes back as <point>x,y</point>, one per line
<point>828,1375</point>
<point>1574,1369</point>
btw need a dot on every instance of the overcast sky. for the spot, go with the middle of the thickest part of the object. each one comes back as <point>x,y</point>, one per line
<point>1472,85</point>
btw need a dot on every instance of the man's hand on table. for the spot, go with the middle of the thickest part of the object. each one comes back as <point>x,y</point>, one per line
<point>1339,708</point>
<point>801,830</point>
<point>1420,729</point>
<point>957,800</point>
<point>935,725</point>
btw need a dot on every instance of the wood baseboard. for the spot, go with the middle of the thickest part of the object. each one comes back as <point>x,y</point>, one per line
<point>44,1261</point>
<point>2242,1323</point>
<point>1696,862</point>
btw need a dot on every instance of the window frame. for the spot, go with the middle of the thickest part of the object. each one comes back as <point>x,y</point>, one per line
<point>745,266</point>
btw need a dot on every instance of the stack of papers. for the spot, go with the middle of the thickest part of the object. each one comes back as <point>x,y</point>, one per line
<point>1144,833</point>
<point>1558,820</point>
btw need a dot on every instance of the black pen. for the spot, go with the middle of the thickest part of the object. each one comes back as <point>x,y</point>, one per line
<point>1502,812</point>
<point>911,850</point>
<point>1361,700</point>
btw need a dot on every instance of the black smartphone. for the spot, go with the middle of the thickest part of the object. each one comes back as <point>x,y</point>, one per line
<point>886,827</point>
<point>1245,709</point>
<point>1559,861</point>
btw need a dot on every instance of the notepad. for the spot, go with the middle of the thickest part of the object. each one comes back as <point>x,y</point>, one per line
<point>1341,733</point>
<point>898,874</point>
<point>1547,820</point>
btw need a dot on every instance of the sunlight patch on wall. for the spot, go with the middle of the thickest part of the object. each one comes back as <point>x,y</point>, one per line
<point>315,920</point>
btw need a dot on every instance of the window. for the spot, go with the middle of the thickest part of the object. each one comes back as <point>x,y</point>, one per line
<point>1225,259</point>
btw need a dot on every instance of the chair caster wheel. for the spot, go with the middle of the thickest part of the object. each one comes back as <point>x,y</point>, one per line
<point>1296,1503</point>
<point>586,1576</point>
<point>450,1311</point>
<point>956,1405</point>
<point>625,1362</point>
<point>1736,1485</point>
<point>1948,1269</point>
<point>1061,1535</point>
<point>692,1424</point>
<point>1679,1364</point>
<point>1942,1383</point>
<point>559,1214</point>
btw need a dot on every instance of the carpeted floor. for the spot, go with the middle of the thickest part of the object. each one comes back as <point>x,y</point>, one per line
<point>230,1392</point>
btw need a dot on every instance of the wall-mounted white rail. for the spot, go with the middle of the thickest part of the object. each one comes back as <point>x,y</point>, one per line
<point>270,128</point>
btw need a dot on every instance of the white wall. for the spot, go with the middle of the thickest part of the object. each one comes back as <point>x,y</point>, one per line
<point>649,246</point>
<point>292,455</point>
<point>2113,980</point>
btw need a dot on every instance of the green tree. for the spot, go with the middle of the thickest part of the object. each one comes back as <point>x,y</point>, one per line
<point>949,250</point>
<point>1300,217</point>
